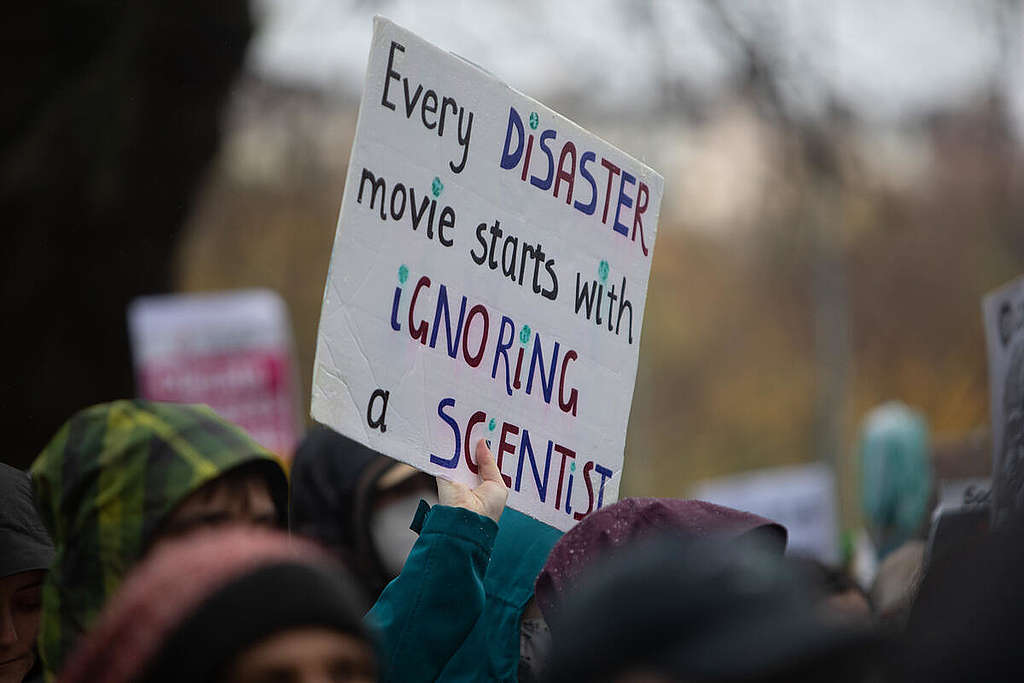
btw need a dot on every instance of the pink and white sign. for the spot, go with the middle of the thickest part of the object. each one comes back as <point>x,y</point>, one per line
<point>232,351</point>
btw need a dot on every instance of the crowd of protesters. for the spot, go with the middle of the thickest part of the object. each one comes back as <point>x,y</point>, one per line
<point>158,542</point>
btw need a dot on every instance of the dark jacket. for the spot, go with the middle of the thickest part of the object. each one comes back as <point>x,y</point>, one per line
<point>333,480</point>
<point>491,651</point>
<point>426,613</point>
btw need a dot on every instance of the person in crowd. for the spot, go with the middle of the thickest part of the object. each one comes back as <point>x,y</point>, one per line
<point>249,605</point>
<point>604,532</point>
<point>671,608</point>
<point>118,480</point>
<point>841,597</point>
<point>510,639</point>
<point>895,476</point>
<point>425,615</point>
<point>25,556</point>
<point>896,583</point>
<point>964,624</point>
<point>357,503</point>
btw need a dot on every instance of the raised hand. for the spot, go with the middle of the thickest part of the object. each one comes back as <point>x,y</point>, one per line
<point>487,499</point>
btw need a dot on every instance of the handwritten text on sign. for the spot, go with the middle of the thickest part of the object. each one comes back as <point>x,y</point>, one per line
<point>488,280</point>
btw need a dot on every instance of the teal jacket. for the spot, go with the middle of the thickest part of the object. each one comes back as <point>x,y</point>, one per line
<point>453,613</point>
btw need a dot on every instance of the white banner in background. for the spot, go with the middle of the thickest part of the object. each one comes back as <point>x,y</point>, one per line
<point>801,498</point>
<point>230,350</point>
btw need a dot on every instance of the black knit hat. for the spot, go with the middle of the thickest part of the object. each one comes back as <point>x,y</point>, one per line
<point>269,600</point>
<point>697,610</point>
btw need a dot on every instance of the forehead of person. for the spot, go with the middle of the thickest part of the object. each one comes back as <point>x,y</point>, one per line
<point>106,485</point>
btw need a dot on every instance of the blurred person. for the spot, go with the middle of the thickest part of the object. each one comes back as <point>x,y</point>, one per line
<point>605,533</point>
<point>510,639</point>
<point>25,556</point>
<point>965,623</point>
<point>896,583</point>
<point>362,505</point>
<point>358,503</point>
<point>841,598</point>
<point>250,605</point>
<point>668,608</point>
<point>1008,481</point>
<point>1006,323</point>
<point>119,479</point>
<point>896,475</point>
<point>425,615</point>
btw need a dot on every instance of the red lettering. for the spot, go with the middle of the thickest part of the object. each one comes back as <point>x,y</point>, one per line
<point>613,171</point>
<point>642,195</point>
<point>419,331</point>
<point>568,175</point>
<point>473,361</point>
<point>475,419</point>
<point>566,452</point>
<point>590,492</point>
<point>526,161</point>
<point>505,447</point>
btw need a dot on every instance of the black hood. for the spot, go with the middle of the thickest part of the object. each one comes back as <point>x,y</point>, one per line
<point>333,481</point>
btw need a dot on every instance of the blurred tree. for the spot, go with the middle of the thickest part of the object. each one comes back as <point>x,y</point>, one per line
<point>110,113</point>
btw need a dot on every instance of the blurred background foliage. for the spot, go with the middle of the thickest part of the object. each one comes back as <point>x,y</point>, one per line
<point>843,183</point>
<point>812,261</point>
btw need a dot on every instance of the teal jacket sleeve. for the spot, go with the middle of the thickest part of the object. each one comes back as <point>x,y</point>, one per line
<point>424,615</point>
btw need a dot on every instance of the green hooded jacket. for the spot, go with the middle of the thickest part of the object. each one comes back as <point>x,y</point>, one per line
<point>453,613</point>
<point>106,482</point>
<point>491,650</point>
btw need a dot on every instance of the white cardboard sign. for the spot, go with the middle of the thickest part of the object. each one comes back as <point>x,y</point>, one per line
<point>1003,312</point>
<point>231,350</point>
<point>801,498</point>
<point>488,280</point>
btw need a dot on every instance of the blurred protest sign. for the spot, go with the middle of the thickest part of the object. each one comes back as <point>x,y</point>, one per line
<point>232,351</point>
<point>488,280</point>
<point>801,498</point>
<point>1003,313</point>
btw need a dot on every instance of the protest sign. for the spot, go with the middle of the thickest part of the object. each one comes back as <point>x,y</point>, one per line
<point>1003,313</point>
<point>232,351</point>
<point>801,498</point>
<point>488,280</point>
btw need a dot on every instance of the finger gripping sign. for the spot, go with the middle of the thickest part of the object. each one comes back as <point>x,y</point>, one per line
<point>487,281</point>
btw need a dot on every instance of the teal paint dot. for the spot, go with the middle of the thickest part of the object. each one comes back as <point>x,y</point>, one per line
<point>572,467</point>
<point>534,120</point>
<point>437,186</point>
<point>524,335</point>
<point>403,273</point>
<point>602,271</point>
<point>492,424</point>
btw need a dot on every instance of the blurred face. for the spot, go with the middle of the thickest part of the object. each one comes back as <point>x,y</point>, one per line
<point>308,655</point>
<point>20,605</point>
<point>240,497</point>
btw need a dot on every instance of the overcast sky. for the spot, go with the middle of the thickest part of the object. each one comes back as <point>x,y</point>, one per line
<point>885,59</point>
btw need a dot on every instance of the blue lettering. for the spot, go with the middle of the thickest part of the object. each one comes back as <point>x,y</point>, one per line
<point>587,208</point>
<point>454,460</point>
